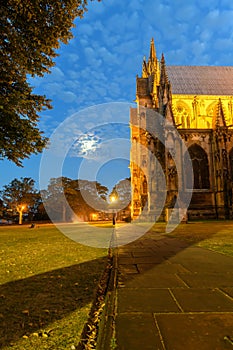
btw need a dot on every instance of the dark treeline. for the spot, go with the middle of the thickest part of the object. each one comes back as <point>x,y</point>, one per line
<point>62,199</point>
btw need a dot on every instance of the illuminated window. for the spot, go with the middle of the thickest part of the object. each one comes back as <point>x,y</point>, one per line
<point>182,114</point>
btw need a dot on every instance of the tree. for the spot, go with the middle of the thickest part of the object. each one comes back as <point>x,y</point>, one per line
<point>64,195</point>
<point>54,198</point>
<point>20,195</point>
<point>2,209</point>
<point>94,194</point>
<point>30,33</point>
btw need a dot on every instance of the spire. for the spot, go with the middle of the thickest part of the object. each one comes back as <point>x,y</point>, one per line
<point>219,120</point>
<point>152,51</point>
<point>152,64</point>
<point>144,68</point>
<point>164,83</point>
<point>163,72</point>
<point>151,74</point>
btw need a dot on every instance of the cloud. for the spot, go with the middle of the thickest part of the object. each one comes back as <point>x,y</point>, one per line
<point>107,56</point>
<point>226,4</point>
<point>68,96</point>
<point>205,35</point>
<point>187,13</point>
<point>85,145</point>
<point>126,46</point>
<point>101,62</point>
<point>72,84</point>
<point>158,13</point>
<point>53,89</point>
<point>85,29</point>
<point>47,124</point>
<point>74,73</point>
<point>56,74</point>
<point>206,5</point>
<point>91,57</point>
<point>136,5</point>
<point>72,57</point>
<point>223,44</point>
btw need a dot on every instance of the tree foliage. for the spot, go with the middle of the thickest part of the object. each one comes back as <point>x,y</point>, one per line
<point>64,197</point>
<point>30,34</point>
<point>20,192</point>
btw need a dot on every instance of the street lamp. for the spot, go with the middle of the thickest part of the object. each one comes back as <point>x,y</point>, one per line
<point>113,199</point>
<point>94,216</point>
<point>20,209</point>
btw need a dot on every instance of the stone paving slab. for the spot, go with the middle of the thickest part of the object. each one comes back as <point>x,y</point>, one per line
<point>172,297</point>
<point>134,329</point>
<point>210,267</point>
<point>195,331</point>
<point>143,253</point>
<point>157,280</point>
<point>125,249</point>
<point>208,280</point>
<point>199,256</point>
<point>203,300</point>
<point>228,291</point>
<point>126,254</point>
<point>164,268</point>
<point>146,300</point>
<point>142,260</point>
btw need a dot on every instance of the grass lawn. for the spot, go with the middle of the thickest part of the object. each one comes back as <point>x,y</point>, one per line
<point>214,235</point>
<point>47,286</point>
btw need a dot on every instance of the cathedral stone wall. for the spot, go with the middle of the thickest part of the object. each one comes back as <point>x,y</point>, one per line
<point>197,102</point>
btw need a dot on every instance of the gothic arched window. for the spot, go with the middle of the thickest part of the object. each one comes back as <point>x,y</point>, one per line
<point>200,167</point>
<point>182,114</point>
<point>144,186</point>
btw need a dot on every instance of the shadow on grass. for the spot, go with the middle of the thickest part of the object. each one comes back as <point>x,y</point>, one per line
<point>31,304</point>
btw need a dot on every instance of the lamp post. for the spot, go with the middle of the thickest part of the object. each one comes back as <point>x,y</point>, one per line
<point>20,209</point>
<point>113,199</point>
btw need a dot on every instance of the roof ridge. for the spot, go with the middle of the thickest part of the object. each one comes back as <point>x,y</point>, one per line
<point>174,65</point>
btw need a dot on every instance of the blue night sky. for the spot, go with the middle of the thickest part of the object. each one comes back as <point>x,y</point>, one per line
<point>99,65</point>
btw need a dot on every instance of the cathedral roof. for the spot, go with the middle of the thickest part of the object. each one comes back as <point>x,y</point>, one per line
<point>201,80</point>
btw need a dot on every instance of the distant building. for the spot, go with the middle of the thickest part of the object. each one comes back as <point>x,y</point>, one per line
<point>198,102</point>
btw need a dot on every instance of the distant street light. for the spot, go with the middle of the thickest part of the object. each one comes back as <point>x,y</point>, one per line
<point>20,209</point>
<point>94,216</point>
<point>113,198</point>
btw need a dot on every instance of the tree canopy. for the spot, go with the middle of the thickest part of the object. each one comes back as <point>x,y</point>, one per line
<point>30,34</point>
<point>62,198</point>
<point>64,195</point>
<point>20,192</point>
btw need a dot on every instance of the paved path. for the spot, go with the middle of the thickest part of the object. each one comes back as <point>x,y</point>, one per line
<point>172,296</point>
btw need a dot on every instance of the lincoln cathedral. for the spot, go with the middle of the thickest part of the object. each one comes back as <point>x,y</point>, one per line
<point>198,102</point>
